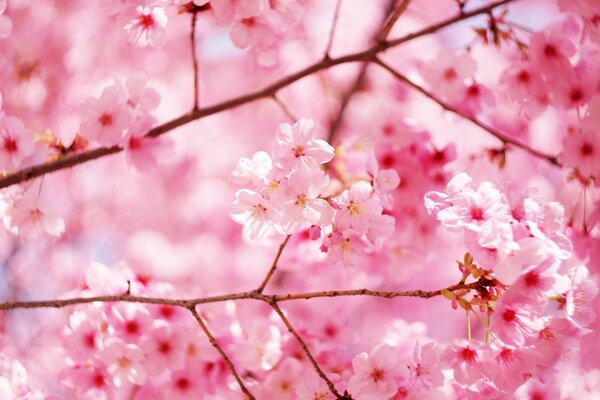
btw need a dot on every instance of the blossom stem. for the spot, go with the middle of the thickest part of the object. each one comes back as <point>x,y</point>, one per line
<point>195,60</point>
<point>273,265</point>
<point>468,325</point>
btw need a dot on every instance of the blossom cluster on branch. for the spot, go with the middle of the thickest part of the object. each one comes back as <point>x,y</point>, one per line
<point>299,199</point>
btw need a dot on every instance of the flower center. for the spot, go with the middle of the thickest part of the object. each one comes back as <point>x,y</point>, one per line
<point>354,208</point>
<point>10,145</point>
<point>105,119</point>
<point>377,375</point>
<point>586,149</point>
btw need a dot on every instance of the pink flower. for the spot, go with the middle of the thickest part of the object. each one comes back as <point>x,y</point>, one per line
<point>147,27</point>
<point>582,151</point>
<point>255,32</point>
<point>143,152</point>
<point>384,182</point>
<point>466,360</point>
<point>576,86</point>
<point>281,382</point>
<point>164,347</point>
<point>522,82</point>
<point>296,143</point>
<point>226,10</point>
<point>140,96</point>
<point>447,74</point>
<point>131,321</point>
<point>510,321</point>
<point>29,218</point>
<point>509,367</point>
<point>553,336</point>
<point>252,172</point>
<point>84,335</point>
<point>312,387</point>
<point>345,248</point>
<point>254,211</point>
<point>358,208</point>
<point>304,188</point>
<point>551,50</point>
<point>261,348</point>
<point>375,374</point>
<point>124,362</point>
<point>185,385</point>
<point>16,143</point>
<point>578,298</point>
<point>104,120</point>
<point>470,209</point>
<point>92,381</point>
<point>426,369</point>
<point>438,201</point>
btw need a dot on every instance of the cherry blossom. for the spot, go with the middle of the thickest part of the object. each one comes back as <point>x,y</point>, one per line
<point>147,26</point>
<point>105,119</point>
<point>375,374</point>
<point>291,199</point>
<point>124,362</point>
<point>295,143</point>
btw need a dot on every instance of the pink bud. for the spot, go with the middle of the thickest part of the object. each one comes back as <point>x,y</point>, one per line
<point>314,232</point>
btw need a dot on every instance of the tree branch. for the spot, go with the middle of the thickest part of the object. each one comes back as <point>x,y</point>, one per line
<point>273,265</point>
<point>187,303</point>
<point>499,135</point>
<point>389,24</point>
<point>29,173</point>
<point>304,347</point>
<point>218,347</point>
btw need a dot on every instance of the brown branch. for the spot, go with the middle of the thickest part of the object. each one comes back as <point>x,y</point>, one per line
<point>195,60</point>
<point>187,303</point>
<point>336,14</point>
<point>494,132</point>
<point>273,265</point>
<point>391,21</point>
<point>224,355</point>
<point>35,171</point>
<point>304,347</point>
<point>373,293</point>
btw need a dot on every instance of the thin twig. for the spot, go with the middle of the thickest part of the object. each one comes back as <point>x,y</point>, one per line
<point>35,171</point>
<point>195,60</point>
<point>224,355</point>
<point>391,21</point>
<point>336,14</point>
<point>304,347</point>
<point>499,135</point>
<point>286,110</point>
<point>273,265</point>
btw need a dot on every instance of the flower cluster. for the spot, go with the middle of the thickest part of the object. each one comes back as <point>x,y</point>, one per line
<point>530,324</point>
<point>121,116</point>
<point>506,233</point>
<point>292,191</point>
<point>258,25</point>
